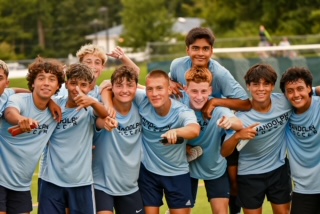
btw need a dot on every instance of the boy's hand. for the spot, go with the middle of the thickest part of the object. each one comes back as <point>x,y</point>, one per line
<point>27,124</point>
<point>176,89</point>
<point>117,53</point>
<point>248,133</point>
<point>82,100</point>
<point>208,108</point>
<point>110,123</point>
<point>224,122</point>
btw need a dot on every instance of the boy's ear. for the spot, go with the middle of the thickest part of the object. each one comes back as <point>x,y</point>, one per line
<point>7,83</point>
<point>210,90</point>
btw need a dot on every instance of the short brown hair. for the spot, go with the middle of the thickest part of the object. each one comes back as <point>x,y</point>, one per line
<point>158,73</point>
<point>40,65</point>
<point>80,71</point>
<point>261,71</point>
<point>122,73</point>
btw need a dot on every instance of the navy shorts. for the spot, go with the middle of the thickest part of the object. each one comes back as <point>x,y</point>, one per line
<point>15,201</point>
<point>125,204</point>
<point>276,185</point>
<point>55,199</point>
<point>216,188</point>
<point>305,203</point>
<point>177,189</point>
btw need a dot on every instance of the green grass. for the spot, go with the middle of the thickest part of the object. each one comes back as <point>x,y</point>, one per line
<point>202,205</point>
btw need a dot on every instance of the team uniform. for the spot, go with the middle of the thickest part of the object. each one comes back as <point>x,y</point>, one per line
<point>66,171</point>
<point>116,174</point>
<point>264,157</point>
<point>19,155</point>
<point>4,99</point>
<point>223,84</point>
<point>164,168</point>
<point>211,166</point>
<point>303,139</point>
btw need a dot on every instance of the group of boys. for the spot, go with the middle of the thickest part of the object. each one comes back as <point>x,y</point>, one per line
<point>153,128</point>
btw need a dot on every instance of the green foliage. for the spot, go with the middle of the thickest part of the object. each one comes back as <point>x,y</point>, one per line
<point>57,28</point>
<point>146,21</point>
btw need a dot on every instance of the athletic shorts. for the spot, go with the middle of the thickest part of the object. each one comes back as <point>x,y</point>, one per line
<point>15,201</point>
<point>177,189</point>
<point>305,203</point>
<point>125,204</point>
<point>276,185</point>
<point>55,199</point>
<point>216,188</point>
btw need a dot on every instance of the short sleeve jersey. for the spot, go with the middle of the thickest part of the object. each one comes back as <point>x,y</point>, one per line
<point>69,152</point>
<point>210,165</point>
<point>19,155</point>
<point>4,99</point>
<point>303,139</point>
<point>158,158</point>
<point>267,151</point>
<point>224,84</point>
<point>117,172</point>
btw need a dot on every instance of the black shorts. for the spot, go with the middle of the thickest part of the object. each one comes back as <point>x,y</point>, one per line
<point>215,188</point>
<point>305,203</point>
<point>276,185</point>
<point>15,201</point>
<point>123,204</point>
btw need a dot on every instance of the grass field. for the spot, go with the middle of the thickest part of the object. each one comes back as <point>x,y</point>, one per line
<point>202,205</point>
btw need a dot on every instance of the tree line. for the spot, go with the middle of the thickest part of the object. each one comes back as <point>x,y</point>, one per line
<point>55,28</point>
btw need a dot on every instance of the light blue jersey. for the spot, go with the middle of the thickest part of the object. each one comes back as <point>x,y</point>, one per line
<point>267,151</point>
<point>224,84</point>
<point>19,155</point>
<point>166,160</point>
<point>4,98</point>
<point>303,139</point>
<point>117,156</point>
<point>69,152</point>
<point>95,92</point>
<point>210,165</point>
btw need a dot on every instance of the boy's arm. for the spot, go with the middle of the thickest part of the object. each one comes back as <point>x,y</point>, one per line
<point>234,104</point>
<point>20,90</point>
<point>13,116</point>
<point>106,98</point>
<point>188,132</point>
<point>233,123</point>
<point>118,53</point>
<point>229,145</point>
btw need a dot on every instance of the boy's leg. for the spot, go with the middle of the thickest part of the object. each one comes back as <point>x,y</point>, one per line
<point>81,200</point>
<point>232,162</point>
<point>104,202</point>
<point>52,199</point>
<point>280,189</point>
<point>128,204</point>
<point>178,193</point>
<point>218,192</point>
<point>151,190</point>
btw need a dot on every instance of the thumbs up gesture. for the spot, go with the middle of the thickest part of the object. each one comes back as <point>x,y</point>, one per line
<point>82,100</point>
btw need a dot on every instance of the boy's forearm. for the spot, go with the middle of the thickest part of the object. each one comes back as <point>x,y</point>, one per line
<point>128,62</point>
<point>189,132</point>
<point>233,104</point>
<point>99,109</point>
<point>229,146</point>
<point>12,116</point>
<point>236,123</point>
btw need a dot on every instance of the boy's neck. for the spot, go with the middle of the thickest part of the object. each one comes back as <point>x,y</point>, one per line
<point>122,108</point>
<point>41,104</point>
<point>165,109</point>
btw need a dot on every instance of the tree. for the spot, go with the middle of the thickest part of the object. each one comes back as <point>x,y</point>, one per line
<point>145,21</point>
